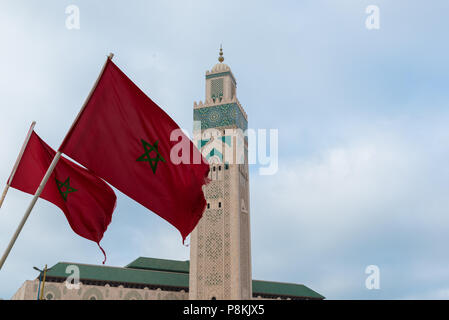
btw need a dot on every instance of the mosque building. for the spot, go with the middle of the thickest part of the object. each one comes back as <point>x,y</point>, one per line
<point>220,245</point>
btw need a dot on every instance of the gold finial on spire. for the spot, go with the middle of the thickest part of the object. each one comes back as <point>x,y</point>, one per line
<point>220,58</point>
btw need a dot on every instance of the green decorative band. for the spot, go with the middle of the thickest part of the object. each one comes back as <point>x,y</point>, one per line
<point>227,140</point>
<point>202,143</point>
<point>214,152</point>
<point>221,74</point>
<point>220,116</point>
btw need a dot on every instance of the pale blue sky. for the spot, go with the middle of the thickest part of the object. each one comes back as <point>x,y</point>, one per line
<point>362,118</point>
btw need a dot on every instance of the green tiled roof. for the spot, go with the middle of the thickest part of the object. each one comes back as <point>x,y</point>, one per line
<point>159,264</point>
<point>117,274</point>
<point>171,273</point>
<point>285,289</point>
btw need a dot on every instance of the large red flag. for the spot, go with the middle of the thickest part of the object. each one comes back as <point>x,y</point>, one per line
<point>86,200</point>
<point>124,137</point>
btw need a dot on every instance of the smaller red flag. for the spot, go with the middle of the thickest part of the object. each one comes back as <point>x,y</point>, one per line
<point>87,201</point>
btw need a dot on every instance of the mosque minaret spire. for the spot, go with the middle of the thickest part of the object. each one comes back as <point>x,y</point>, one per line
<point>220,245</point>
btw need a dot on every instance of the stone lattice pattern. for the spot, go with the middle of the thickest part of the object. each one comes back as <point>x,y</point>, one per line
<point>216,89</point>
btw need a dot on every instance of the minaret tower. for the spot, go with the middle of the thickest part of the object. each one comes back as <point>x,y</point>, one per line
<point>220,245</point>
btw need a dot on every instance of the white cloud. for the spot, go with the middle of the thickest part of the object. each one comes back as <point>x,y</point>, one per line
<point>362,124</point>
<point>326,216</point>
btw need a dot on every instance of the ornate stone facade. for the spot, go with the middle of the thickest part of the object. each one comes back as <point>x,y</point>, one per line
<point>59,291</point>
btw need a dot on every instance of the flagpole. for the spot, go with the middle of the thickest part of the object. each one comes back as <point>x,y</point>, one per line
<point>30,207</point>
<point>19,157</point>
<point>43,284</point>
<point>5,191</point>
<point>48,173</point>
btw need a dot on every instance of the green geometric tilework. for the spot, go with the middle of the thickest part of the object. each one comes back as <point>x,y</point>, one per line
<point>202,143</point>
<point>215,152</point>
<point>220,116</point>
<point>222,74</point>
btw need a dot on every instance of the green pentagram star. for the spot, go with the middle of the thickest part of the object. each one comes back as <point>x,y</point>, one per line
<point>66,185</point>
<point>146,156</point>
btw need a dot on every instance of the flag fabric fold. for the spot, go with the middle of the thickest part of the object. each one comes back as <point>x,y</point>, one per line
<point>87,201</point>
<point>123,137</point>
